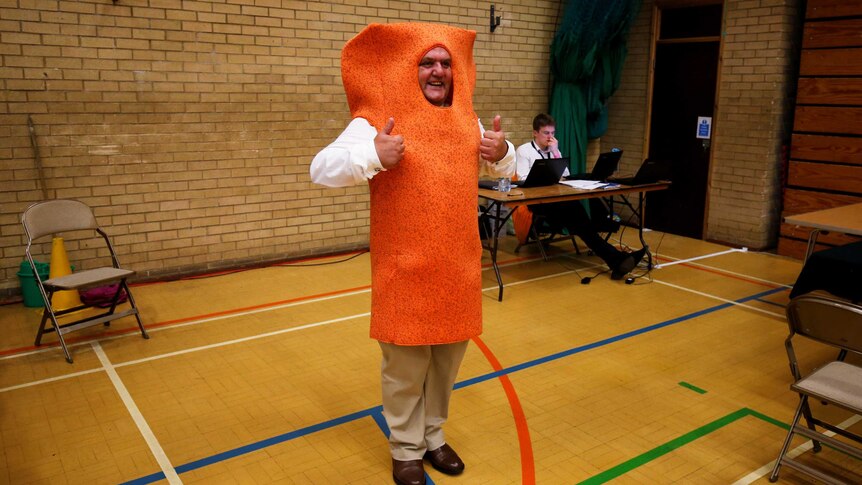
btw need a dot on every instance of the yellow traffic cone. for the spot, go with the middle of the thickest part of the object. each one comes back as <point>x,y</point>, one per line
<point>61,300</point>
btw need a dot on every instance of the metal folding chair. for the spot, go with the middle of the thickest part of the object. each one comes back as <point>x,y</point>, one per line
<point>832,321</point>
<point>58,216</point>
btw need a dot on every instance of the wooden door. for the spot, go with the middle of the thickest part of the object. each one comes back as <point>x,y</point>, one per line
<point>684,89</point>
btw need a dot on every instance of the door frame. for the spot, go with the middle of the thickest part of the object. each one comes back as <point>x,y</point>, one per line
<point>658,6</point>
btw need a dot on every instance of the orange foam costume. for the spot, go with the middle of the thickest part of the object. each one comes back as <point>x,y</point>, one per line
<point>425,248</point>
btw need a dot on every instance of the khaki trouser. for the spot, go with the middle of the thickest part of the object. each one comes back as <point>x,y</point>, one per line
<point>417,383</point>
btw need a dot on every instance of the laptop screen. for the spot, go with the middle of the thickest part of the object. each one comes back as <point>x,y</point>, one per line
<point>606,165</point>
<point>544,172</point>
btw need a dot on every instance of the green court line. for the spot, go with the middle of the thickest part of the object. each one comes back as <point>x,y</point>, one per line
<point>693,388</point>
<point>675,443</point>
<point>769,420</point>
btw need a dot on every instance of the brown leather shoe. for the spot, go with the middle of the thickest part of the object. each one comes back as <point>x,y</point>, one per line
<point>408,472</point>
<point>444,459</point>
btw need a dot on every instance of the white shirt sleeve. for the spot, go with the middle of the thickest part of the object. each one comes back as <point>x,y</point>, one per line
<point>505,167</point>
<point>350,160</point>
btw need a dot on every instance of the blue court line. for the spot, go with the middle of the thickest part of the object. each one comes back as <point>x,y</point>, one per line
<point>242,450</point>
<point>782,305</point>
<point>376,411</point>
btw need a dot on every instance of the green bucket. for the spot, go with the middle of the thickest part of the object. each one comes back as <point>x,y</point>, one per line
<point>29,287</point>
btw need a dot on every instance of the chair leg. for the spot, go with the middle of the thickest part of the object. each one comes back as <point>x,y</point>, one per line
<point>575,244</point>
<point>774,475</point>
<point>63,344</point>
<point>41,327</point>
<point>47,314</point>
<point>809,420</point>
<point>135,307</point>
<point>538,239</point>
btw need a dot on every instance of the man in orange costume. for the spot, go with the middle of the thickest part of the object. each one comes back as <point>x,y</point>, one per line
<point>421,148</point>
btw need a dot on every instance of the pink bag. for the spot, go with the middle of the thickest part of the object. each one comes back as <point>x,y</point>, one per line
<point>101,296</point>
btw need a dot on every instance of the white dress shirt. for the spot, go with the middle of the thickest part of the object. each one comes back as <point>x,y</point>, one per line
<point>352,158</point>
<point>527,154</point>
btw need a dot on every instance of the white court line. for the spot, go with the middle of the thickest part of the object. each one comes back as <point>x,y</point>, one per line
<point>243,339</point>
<point>767,468</point>
<point>311,325</point>
<point>191,322</point>
<point>224,317</point>
<point>705,256</point>
<point>741,275</point>
<point>138,418</point>
<point>51,379</point>
<point>780,315</point>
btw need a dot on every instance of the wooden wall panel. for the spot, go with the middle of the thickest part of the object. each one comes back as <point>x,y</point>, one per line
<point>828,119</point>
<point>842,178</point>
<point>831,62</point>
<point>833,91</point>
<point>836,33</point>
<point>798,201</point>
<point>830,238</point>
<point>817,9</point>
<point>795,248</point>
<point>825,169</point>
<point>843,149</point>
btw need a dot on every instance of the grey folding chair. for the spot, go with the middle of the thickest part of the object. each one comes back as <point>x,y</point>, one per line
<point>832,321</point>
<point>57,216</point>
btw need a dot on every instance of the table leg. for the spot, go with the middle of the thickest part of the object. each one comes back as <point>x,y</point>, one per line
<point>641,229</point>
<point>495,245</point>
<point>812,241</point>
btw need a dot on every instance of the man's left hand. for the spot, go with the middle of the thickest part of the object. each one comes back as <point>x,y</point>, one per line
<point>493,147</point>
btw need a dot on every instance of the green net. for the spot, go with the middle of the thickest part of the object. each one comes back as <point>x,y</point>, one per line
<point>587,57</point>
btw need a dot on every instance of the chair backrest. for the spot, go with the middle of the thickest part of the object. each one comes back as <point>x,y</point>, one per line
<point>54,216</point>
<point>826,318</point>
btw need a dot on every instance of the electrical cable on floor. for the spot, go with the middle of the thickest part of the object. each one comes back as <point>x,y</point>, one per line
<point>632,280</point>
<point>360,253</point>
<point>241,270</point>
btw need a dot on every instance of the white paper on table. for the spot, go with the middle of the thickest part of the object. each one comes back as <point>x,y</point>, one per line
<point>584,184</point>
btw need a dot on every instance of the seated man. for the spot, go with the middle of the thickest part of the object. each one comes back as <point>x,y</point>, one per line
<point>570,215</point>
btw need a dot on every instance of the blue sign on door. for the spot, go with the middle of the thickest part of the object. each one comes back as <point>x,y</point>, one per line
<point>704,126</point>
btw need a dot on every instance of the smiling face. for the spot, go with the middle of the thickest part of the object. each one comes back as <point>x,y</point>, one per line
<point>435,76</point>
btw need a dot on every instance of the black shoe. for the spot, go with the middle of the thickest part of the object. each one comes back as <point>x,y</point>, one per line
<point>444,459</point>
<point>408,472</point>
<point>628,263</point>
<point>623,268</point>
<point>639,255</point>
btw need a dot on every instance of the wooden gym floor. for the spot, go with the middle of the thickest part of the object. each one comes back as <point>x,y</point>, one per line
<point>268,376</point>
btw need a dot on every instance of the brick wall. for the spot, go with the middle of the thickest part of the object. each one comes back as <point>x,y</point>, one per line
<point>627,108</point>
<point>189,126</point>
<point>751,125</point>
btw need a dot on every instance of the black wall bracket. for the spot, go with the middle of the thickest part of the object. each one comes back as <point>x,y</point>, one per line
<point>495,21</point>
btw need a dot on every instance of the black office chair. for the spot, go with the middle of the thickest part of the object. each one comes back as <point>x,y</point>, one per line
<point>543,232</point>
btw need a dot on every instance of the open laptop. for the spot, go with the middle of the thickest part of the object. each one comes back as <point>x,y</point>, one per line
<point>651,171</point>
<point>605,166</point>
<point>544,172</point>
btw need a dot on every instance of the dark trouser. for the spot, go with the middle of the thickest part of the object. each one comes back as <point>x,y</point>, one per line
<point>572,217</point>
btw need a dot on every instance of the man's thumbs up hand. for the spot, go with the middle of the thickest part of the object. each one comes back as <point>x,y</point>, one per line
<point>493,146</point>
<point>390,149</point>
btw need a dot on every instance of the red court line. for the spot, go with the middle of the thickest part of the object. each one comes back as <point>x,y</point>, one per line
<point>111,333</point>
<point>528,464</point>
<point>721,273</point>
<point>149,326</point>
<point>288,263</point>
